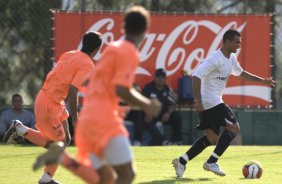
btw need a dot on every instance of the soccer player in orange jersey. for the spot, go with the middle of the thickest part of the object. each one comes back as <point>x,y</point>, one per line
<point>65,79</point>
<point>101,138</point>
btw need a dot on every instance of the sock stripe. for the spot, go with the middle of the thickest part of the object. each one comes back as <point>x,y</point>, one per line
<point>231,134</point>
<point>215,155</point>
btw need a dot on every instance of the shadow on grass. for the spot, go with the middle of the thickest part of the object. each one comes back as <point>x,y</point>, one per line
<point>253,155</point>
<point>174,180</point>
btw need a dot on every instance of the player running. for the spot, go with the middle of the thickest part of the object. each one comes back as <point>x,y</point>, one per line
<point>209,81</point>
<point>65,79</point>
<point>101,138</point>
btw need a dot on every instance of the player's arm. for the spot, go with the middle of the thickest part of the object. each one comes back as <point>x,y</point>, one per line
<point>134,98</point>
<point>72,98</point>
<point>196,85</point>
<point>251,77</point>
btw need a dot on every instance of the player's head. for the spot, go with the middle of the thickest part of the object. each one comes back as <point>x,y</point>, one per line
<point>91,43</point>
<point>136,22</point>
<point>232,40</point>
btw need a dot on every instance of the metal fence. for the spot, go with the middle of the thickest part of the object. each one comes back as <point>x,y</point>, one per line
<point>26,29</point>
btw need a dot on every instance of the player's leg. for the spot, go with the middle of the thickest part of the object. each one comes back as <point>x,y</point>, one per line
<point>198,146</point>
<point>119,155</point>
<point>224,141</point>
<point>18,129</point>
<point>57,136</point>
<point>43,111</point>
<point>86,171</point>
<point>227,118</point>
<point>56,155</point>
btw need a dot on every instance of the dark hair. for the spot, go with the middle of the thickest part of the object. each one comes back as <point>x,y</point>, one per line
<point>91,41</point>
<point>160,72</point>
<point>230,35</point>
<point>136,20</point>
<point>16,95</point>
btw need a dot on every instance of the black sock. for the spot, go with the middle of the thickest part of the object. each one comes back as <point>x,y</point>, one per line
<point>222,144</point>
<point>198,146</point>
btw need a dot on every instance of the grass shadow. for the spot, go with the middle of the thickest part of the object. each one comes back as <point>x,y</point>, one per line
<point>174,180</point>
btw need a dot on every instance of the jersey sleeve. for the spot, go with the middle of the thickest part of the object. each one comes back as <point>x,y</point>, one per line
<point>205,68</point>
<point>237,69</point>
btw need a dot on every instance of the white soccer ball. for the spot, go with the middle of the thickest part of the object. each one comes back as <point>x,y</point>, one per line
<point>252,169</point>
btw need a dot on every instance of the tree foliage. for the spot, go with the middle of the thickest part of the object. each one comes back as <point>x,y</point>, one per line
<point>25,46</point>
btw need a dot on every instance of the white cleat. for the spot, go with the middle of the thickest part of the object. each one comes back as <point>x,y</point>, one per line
<point>179,168</point>
<point>52,155</point>
<point>213,167</point>
<point>11,134</point>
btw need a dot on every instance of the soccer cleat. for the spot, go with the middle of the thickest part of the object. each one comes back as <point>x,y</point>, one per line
<point>213,167</point>
<point>11,135</point>
<point>52,155</point>
<point>49,182</point>
<point>179,168</point>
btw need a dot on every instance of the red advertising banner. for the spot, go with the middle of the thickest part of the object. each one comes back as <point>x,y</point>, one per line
<point>178,42</point>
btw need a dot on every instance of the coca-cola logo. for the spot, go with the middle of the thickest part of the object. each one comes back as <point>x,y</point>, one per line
<point>169,53</point>
<point>181,42</point>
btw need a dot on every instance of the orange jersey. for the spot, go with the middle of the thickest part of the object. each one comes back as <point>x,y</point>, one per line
<point>71,69</point>
<point>99,118</point>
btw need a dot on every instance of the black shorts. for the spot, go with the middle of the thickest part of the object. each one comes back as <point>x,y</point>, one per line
<point>215,117</point>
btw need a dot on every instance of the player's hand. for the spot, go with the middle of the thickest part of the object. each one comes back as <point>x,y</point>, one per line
<point>199,107</point>
<point>154,108</point>
<point>270,81</point>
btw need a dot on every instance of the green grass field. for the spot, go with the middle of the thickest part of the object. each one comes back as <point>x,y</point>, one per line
<point>154,165</point>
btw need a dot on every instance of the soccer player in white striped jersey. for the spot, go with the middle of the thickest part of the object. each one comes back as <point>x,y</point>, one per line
<point>209,82</point>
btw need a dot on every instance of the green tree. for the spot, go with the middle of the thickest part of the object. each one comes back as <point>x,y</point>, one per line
<point>25,46</point>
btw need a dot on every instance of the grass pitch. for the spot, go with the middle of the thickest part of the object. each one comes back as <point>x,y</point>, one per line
<point>154,165</point>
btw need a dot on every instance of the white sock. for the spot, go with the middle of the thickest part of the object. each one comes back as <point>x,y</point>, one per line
<point>215,155</point>
<point>45,178</point>
<point>21,129</point>
<point>185,157</point>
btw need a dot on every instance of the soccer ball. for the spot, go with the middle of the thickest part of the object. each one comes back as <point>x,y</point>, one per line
<point>252,169</point>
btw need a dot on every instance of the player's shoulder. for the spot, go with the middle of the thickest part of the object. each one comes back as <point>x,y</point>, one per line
<point>216,54</point>
<point>211,58</point>
<point>120,46</point>
<point>71,52</point>
<point>69,55</point>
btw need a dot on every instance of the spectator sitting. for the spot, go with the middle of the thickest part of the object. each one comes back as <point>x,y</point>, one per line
<point>168,115</point>
<point>136,117</point>
<point>16,112</point>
